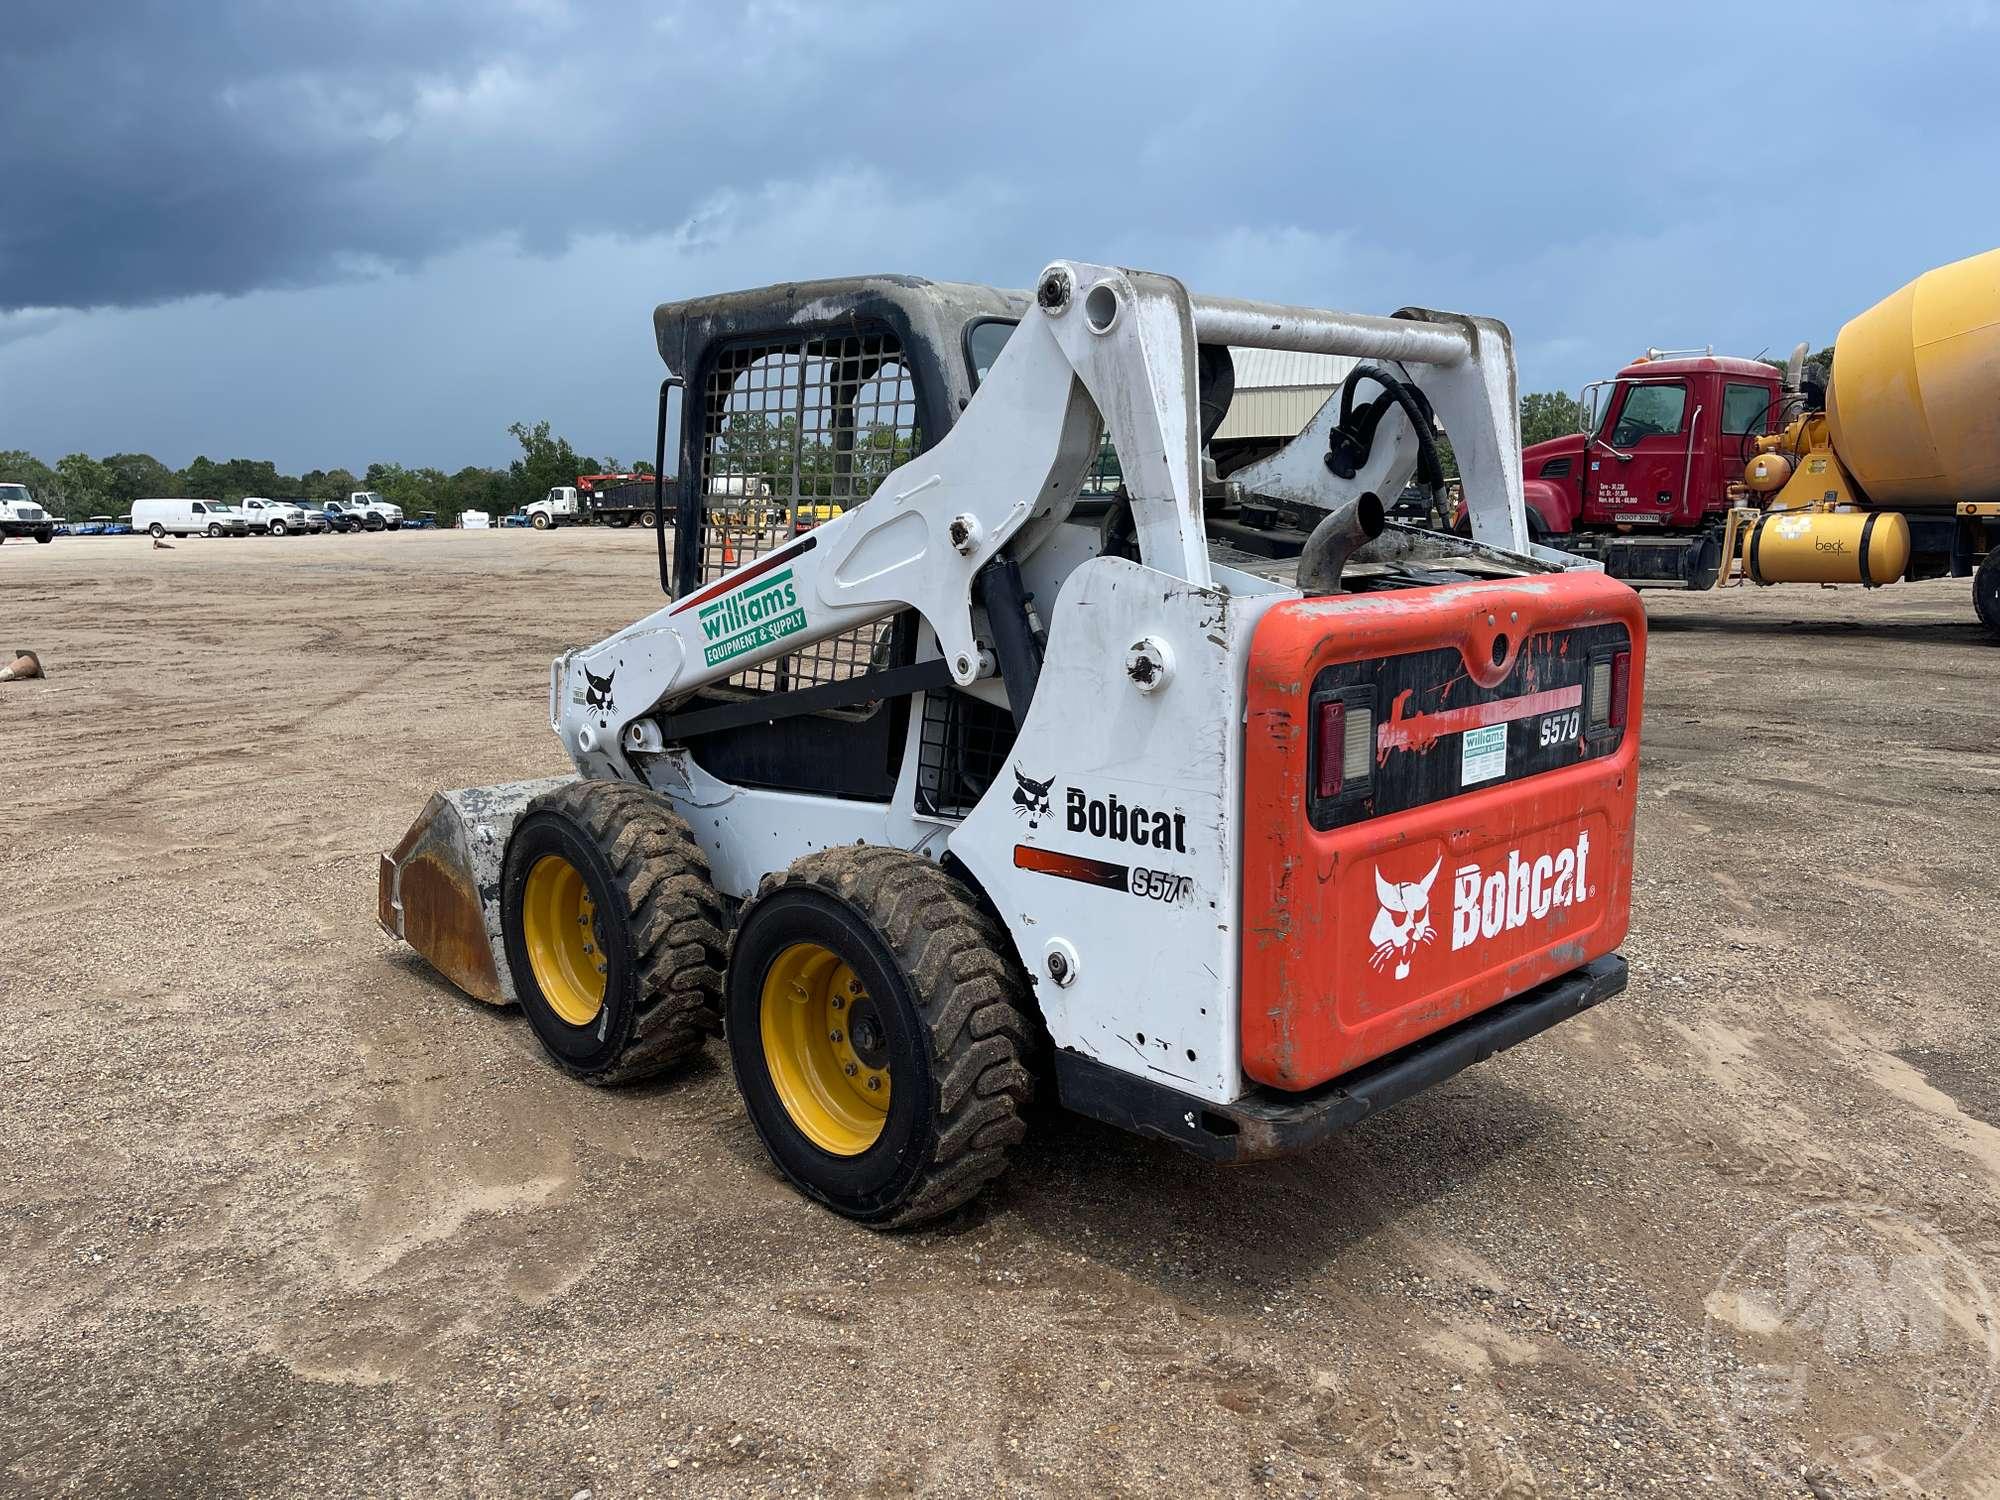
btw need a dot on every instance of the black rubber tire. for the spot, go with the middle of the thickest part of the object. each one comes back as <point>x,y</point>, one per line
<point>646,519</point>
<point>539,520</point>
<point>157,530</point>
<point>619,523</point>
<point>942,972</point>
<point>1986,592</point>
<point>214,530</point>
<point>373,523</point>
<point>662,929</point>
<point>393,525</point>
<point>45,536</point>
<point>278,528</point>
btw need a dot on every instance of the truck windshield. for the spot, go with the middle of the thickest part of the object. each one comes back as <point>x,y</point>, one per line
<point>1650,411</point>
<point>15,493</point>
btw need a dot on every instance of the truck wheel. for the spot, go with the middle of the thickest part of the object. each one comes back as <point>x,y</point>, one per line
<point>646,518</point>
<point>539,520</point>
<point>214,530</point>
<point>619,523</point>
<point>1986,592</point>
<point>879,1028</point>
<point>158,531</point>
<point>277,528</point>
<point>46,534</point>
<point>613,931</point>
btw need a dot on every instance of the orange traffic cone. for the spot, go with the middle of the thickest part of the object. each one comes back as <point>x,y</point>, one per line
<point>728,550</point>
<point>24,665</point>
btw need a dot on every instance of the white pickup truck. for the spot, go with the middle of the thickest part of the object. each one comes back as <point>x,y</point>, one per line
<point>276,517</point>
<point>21,516</point>
<point>370,509</point>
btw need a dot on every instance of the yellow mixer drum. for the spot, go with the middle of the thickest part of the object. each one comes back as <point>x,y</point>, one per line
<point>1914,407</point>
<point>1847,546</point>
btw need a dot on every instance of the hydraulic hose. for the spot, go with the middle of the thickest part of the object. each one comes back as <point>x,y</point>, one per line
<point>1350,443</point>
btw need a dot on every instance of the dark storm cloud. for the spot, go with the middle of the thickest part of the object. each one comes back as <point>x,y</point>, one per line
<point>376,228</point>
<point>152,151</point>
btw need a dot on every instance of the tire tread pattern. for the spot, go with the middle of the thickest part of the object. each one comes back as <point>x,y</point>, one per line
<point>1986,592</point>
<point>674,915</point>
<point>958,962</point>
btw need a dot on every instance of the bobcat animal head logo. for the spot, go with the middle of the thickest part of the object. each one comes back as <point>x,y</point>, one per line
<point>599,692</point>
<point>1031,799</point>
<point>1403,922</point>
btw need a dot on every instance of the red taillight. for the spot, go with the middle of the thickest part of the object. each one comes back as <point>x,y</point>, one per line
<point>1621,686</point>
<point>1332,736</point>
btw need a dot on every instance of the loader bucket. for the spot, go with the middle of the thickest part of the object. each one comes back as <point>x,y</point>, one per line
<point>439,889</point>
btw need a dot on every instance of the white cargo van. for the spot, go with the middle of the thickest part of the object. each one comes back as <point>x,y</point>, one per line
<point>188,518</point>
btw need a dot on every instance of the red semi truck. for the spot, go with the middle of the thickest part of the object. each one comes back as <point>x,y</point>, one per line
<point>1694,468</point>
<point>1645,487</point>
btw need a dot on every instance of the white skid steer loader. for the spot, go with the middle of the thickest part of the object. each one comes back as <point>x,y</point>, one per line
<point>955,767</point>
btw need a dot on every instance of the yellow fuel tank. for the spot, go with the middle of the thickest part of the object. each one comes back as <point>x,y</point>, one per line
<point>1828,546</point>
<point>1914,406</point>
<point>1766,473</point>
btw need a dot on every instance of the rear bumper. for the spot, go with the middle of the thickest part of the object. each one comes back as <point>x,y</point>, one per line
<point>1269,1122</point>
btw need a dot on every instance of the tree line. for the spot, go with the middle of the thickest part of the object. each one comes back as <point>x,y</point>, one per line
<point>78,486</point>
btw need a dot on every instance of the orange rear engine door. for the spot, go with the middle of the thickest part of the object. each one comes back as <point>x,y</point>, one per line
<point>1477,838</point>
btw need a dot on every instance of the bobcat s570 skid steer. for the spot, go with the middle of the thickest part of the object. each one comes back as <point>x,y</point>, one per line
<point>1005,778</point>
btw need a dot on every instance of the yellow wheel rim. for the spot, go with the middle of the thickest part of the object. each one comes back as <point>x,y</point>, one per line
<point>833,1085</point>
<point>565,948</point>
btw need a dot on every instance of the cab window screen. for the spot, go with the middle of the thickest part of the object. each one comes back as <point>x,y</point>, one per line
<point>794,432</point>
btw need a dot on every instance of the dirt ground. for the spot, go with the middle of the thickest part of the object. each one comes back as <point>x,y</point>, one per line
<point>282,1214</point>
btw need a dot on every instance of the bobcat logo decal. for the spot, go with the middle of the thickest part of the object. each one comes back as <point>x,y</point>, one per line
<point>1403,922</point>
<point>599,694</point>
<point>1031,799</point>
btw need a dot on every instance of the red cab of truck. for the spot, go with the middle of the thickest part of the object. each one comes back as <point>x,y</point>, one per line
<point>1666,440</point>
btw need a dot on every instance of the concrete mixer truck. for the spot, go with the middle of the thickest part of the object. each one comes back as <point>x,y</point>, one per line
<point>1698,470</point>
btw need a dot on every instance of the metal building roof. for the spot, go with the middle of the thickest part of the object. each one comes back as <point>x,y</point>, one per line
<point>1269,369</point>
<point>1278,390</point>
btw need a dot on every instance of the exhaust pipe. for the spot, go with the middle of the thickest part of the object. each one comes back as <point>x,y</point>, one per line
<point>1324,556</point>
